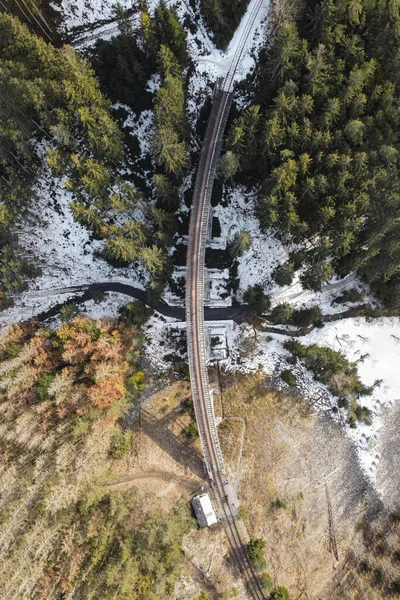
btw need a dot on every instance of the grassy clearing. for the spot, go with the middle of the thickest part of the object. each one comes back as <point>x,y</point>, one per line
<point>230,433</point>
<point>170,398</point>
<point>287,454</point>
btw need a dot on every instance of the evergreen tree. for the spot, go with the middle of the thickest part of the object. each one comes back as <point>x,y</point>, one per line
<point>307,316</point>
<point>280,593</point>
<point>282,313</point>
<point>170,150</point>
<point>168,31</point>
<point>243,138</point>
<point>53,93</point>
<point>283,274</point>
<point>229,164</point>
<point>328,142</point>
<point>153,259</point>
<point>257,299</point>
<point>169,143</point>
<point>240,243</point>
<point>255,551</point>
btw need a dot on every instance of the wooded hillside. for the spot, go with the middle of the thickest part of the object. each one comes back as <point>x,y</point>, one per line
<point>324,138</point>
<point>63,534</point>
<point>52,108</point>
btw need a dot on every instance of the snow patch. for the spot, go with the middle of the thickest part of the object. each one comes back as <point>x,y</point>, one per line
<point>217,62</point>
<point>107,308</point>
<point>82,13</point>
<point>67,254</point>
<point>376,343</point>
<point>158,343</point>
<point>141,126</point>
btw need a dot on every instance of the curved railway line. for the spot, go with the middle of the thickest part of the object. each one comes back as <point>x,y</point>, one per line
<point>194,306</point>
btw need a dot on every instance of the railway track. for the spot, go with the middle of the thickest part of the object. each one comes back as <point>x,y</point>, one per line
<point>194,306</point>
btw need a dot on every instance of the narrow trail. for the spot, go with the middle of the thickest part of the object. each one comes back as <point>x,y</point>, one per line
<point>158,475</point>
<point>305,295</point>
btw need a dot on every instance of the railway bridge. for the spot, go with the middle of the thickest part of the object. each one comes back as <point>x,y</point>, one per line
<point>194,307</point>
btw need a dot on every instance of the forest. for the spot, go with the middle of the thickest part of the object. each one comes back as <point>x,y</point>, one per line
<point>52,104</point>
<point>63,394</point>
<point>323,140</point>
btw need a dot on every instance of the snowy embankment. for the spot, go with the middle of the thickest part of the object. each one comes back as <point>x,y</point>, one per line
<point>217,62</point>
<point>83,13</point>
<point>88,13</point>
<point>212,63</point>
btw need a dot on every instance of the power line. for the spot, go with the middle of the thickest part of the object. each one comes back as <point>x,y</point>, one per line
<point>39,12</point>
<point>23,12</point>
<point>31,13</point>
<point>4,6</point>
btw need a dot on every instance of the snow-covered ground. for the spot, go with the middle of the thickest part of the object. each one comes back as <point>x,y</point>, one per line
<point>86,13</point>
<point>256,265</point>
<point>108,307</point>
<point>142,125</point>
<point>158,341</point>
<point>376,343</point>
<point>66,254</point>
<point>217,295</point>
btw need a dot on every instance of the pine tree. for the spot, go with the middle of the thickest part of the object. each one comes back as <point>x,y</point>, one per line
<point>282,313</point>
<point>121,249</point>
<point>240,243</point>
<point>257,299</point>
<point>168,64</point>
<point>283,274</point>
<point>153,259</point>
<point>286,54</point>
<point>229,164</point>
<point>169,150</point>
<point>169,31</point>
<point>163,186</point>
<point>124,22</point>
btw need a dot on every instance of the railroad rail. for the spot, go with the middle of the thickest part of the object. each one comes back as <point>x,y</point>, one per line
<point>194,305</point>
